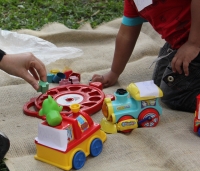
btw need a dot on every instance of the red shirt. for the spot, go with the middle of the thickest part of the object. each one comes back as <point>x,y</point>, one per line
<point>170,18</point>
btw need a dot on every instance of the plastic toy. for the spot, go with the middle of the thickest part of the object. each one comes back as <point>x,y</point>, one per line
<point>90,97</point>
<point>58,77</point>
<point>197,116</point>
<point>54,71</point>
<point>81,137</point>
<point>52,111</point>
<point>43,87</point>
<point>50,78</point>
<point>64,82</point>
<point>63,78</point>
<point>71,80</point>
<point>129,110</point>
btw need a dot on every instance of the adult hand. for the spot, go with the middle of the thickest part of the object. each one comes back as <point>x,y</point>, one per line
<point>185,54</point>
<point>108,79</point>
<point>26,66</point>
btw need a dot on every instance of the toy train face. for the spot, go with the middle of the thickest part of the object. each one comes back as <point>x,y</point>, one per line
<point>126,110</point>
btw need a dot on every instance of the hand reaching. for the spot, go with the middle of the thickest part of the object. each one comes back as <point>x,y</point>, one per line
<point>26,66</point>
<point>108,79</point>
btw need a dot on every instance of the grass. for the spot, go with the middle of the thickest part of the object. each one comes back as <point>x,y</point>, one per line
<point>31,14</point>
<point>3,166</point>
<point>34,14</point>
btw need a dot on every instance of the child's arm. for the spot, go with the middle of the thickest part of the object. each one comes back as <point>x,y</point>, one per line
<point>124,45</point>
<point>188,51</point>
<point>26,66</point>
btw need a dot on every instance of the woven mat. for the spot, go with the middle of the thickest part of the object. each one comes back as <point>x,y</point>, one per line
<point>171,145</point>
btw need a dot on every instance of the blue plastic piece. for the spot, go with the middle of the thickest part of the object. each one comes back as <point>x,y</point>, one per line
<point>50,78</point>
<point>79,160</point>
<point>96,147</point>
<point>58,77</point>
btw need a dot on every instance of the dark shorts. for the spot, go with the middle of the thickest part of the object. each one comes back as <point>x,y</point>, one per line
<point>179,91</point>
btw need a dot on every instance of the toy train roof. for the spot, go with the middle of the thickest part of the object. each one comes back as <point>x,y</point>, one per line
<point>134,91</point>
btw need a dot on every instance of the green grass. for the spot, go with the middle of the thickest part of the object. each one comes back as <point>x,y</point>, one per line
<point>33,14</point>
<point>3,166</point>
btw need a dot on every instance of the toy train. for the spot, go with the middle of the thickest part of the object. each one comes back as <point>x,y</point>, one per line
<point>130,109</point>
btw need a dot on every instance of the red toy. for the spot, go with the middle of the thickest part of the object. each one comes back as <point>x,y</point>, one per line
<point>90,97</point>
<point>68,144</point>
<point>197,116</point>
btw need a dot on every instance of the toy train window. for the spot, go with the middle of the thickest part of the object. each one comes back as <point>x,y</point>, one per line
<point>146,103</point>
<point>82,122</point>
<point>70,135</point>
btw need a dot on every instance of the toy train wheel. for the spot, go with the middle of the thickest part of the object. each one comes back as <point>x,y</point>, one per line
<point>96,147</point>
<point>90,97</point>
<point>148,118</point>
<point>79,160</point>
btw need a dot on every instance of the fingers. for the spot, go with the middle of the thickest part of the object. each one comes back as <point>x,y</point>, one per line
<point>34,73</point>
<point>186,68</point>
<point>97,78</point>
<point>100,78</point>
<point>38,67</point>
<point>178,65</point>
<point>30,79</point>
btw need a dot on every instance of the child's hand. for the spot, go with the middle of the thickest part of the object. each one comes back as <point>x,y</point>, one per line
<point>108,79</point>
<point>185,54</point>
<point>26,66</point>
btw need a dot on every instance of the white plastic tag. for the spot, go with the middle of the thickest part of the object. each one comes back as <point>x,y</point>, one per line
<point>141,4</point>
<point>147,88</point>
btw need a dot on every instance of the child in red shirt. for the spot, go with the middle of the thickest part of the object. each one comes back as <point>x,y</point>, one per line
<point>177,70</point>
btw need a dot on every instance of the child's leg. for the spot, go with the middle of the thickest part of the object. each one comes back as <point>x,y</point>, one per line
<point>164,58</point>
<point>180,91</point>
<point>4,145</point>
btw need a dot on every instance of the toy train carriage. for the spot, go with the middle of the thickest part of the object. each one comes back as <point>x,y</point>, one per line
<point>131,109</point>
<point>197,116</point>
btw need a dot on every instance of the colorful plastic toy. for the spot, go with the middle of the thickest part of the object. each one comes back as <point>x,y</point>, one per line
<point>52,111</point>
<point>71,80</point>
<point>43,87</point>
<point>129,110</point>
<point>197,116</point>
<point>50,78</point>
<point>68,144</point>
<point>54,71</point>
<point>90,97</point>
<point>63,78</point>
<point>58,77</point>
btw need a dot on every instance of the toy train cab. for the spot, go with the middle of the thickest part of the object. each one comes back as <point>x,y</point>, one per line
<point>67,144</point>
<point>197,116</point>
<point>131,108</point>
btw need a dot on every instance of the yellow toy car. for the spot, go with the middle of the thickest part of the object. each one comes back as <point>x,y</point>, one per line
<point>67,144</point>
